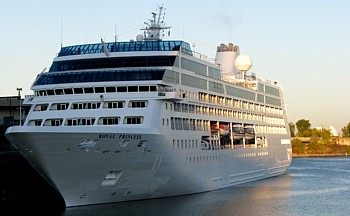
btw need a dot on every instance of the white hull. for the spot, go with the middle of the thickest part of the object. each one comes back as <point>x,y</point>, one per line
<point>152,171</point>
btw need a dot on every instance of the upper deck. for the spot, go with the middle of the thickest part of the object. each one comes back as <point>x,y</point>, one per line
<point>131,46</point>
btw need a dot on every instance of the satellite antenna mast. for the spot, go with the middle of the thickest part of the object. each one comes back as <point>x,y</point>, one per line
<point>115,33</point>
<point>61,25</point>
<point>155,25</point>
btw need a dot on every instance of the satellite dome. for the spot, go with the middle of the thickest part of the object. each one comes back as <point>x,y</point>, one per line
<point>243,63</point>
<point>139,37</point>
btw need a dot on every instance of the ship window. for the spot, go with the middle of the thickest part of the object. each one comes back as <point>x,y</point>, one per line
<point>71,122</point>
<point>172,120</point>
<point>50,92</point>
<point>36,122</point>
<point>90,106</point>
<point>138,104</point>
<point>62,106</point>
<point>87,121</point>
<point>186,124</point>
<point>80,121</point>
<point>153,88</point>
<point>133,120</point>
<point>113,104</point>
<point>133,88</point>
<point>177,107</point>
<point>193,66</point>
<point>272,91</point>
<point>41,107</point>
<point>99,76</point>
<point>59,91</point>
<point>56,122</point>
<point>78,91</point>
<point>192,108</point>
<point>53,122</point>
<point>110,89</point>
<point>192,124</point>
<point>99,89</point>
<point>184,107</point>
<point>178,123</point>
<point>137,61</point>
<point>127,47</point>
<point>94,105</point>
<point>88,90</point>
<point>108,121</point>
<point>75,106</point>
<point>68,91</point>
<point>143,88</point>
<point>42,93</point>
<point>121,89</point>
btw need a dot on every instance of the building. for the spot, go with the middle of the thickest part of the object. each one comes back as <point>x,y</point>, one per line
<point>10,111</point>
<point>10,115</point>
<point>332,129</point>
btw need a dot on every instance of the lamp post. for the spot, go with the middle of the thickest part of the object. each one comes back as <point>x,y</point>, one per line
<point>20,106</point>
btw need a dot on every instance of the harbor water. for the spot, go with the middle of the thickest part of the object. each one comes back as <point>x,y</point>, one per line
<point>312,186</point>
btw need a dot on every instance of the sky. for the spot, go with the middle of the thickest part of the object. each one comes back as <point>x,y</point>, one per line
<point>304,45</point>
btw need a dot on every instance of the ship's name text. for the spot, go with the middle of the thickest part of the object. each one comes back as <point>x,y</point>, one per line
<point>121,136</point>
<point>106,136</point>
<point>128,136</point>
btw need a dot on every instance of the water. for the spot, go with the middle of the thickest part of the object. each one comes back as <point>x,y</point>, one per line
<point>312,186</point>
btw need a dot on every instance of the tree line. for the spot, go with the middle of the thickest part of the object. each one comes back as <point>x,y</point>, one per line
<point>302,128</point>
<point>320,141</point>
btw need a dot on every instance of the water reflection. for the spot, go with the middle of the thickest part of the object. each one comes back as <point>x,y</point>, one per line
<point>258,198</point>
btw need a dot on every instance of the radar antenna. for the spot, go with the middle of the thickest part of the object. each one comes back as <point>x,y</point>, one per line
<point>155,26</point>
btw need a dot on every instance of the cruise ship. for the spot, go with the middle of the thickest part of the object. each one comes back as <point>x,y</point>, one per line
<point>151,118</point>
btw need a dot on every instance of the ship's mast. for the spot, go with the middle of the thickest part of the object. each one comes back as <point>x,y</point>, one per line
<point>156,26</point>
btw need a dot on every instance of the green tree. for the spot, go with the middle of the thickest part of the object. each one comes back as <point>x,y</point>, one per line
<point>346,130</point>
<point>320,140</point>
<point>303,127</point>
<point>298,146</point>
<point>292,129</point>
<point>322,136</point>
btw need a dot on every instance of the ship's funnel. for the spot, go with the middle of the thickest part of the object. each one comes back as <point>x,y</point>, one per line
<point>225,57</point>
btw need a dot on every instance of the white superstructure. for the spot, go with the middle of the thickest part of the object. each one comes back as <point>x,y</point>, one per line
<point>142,119</point>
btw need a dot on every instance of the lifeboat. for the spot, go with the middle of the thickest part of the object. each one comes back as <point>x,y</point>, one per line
<point>214,128</point>
<point>237,132</point>
<point>249,132</point>
<point>223,128</point>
